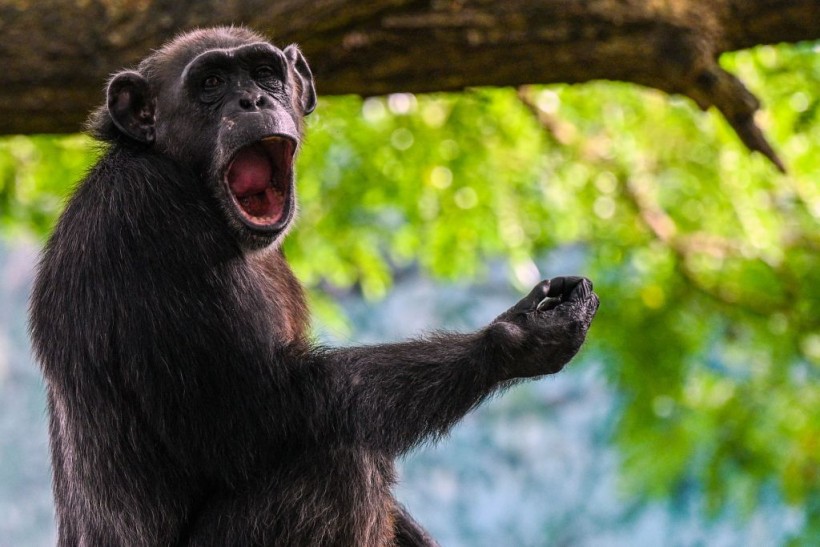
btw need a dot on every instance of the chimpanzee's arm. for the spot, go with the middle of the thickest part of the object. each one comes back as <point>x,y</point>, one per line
<point>398,394</point>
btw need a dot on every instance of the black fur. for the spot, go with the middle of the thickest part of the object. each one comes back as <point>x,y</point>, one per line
<point>187,406</point>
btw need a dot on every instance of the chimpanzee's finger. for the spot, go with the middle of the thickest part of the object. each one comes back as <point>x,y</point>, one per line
<point>534,298</point>
<point>560,286</point>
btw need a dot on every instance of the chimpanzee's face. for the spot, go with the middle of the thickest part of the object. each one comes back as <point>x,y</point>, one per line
<point>232,114</point>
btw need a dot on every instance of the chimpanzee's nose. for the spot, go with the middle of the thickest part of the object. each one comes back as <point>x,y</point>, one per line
<point>252,101</point>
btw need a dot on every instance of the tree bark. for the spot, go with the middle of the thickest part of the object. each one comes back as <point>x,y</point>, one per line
<point>58,53</point>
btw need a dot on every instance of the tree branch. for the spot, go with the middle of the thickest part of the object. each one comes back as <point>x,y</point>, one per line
<point>686,246</point>
<point>57,54</point>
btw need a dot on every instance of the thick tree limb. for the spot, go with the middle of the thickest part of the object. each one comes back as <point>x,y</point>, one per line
<point>56,54</point>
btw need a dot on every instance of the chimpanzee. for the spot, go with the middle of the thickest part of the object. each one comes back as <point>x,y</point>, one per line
<point>187,404</point>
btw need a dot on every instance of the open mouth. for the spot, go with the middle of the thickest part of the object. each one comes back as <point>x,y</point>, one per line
<point>259,179</point>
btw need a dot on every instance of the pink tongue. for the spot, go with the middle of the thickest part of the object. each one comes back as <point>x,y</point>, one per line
<point>250,172</point>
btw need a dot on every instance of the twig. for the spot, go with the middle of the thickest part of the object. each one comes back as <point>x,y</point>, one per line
<point>716,87</point>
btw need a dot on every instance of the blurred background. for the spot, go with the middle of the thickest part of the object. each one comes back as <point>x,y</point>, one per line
<point>692,415</point>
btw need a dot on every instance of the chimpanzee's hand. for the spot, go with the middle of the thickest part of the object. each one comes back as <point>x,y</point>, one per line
<point>543,331</point>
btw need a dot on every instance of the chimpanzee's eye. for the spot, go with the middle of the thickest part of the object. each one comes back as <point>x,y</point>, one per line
<point>212,82</point>
<point>264,72</point>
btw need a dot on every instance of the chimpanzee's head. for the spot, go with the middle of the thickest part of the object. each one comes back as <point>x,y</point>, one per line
<point>229,105</point>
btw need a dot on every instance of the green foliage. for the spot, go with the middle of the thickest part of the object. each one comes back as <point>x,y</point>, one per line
<point>35,176</point>
<point>706,259</point>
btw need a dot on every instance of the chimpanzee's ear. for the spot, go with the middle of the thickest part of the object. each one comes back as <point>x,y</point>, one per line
<point>131,106</point>
<point>300,66</point>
